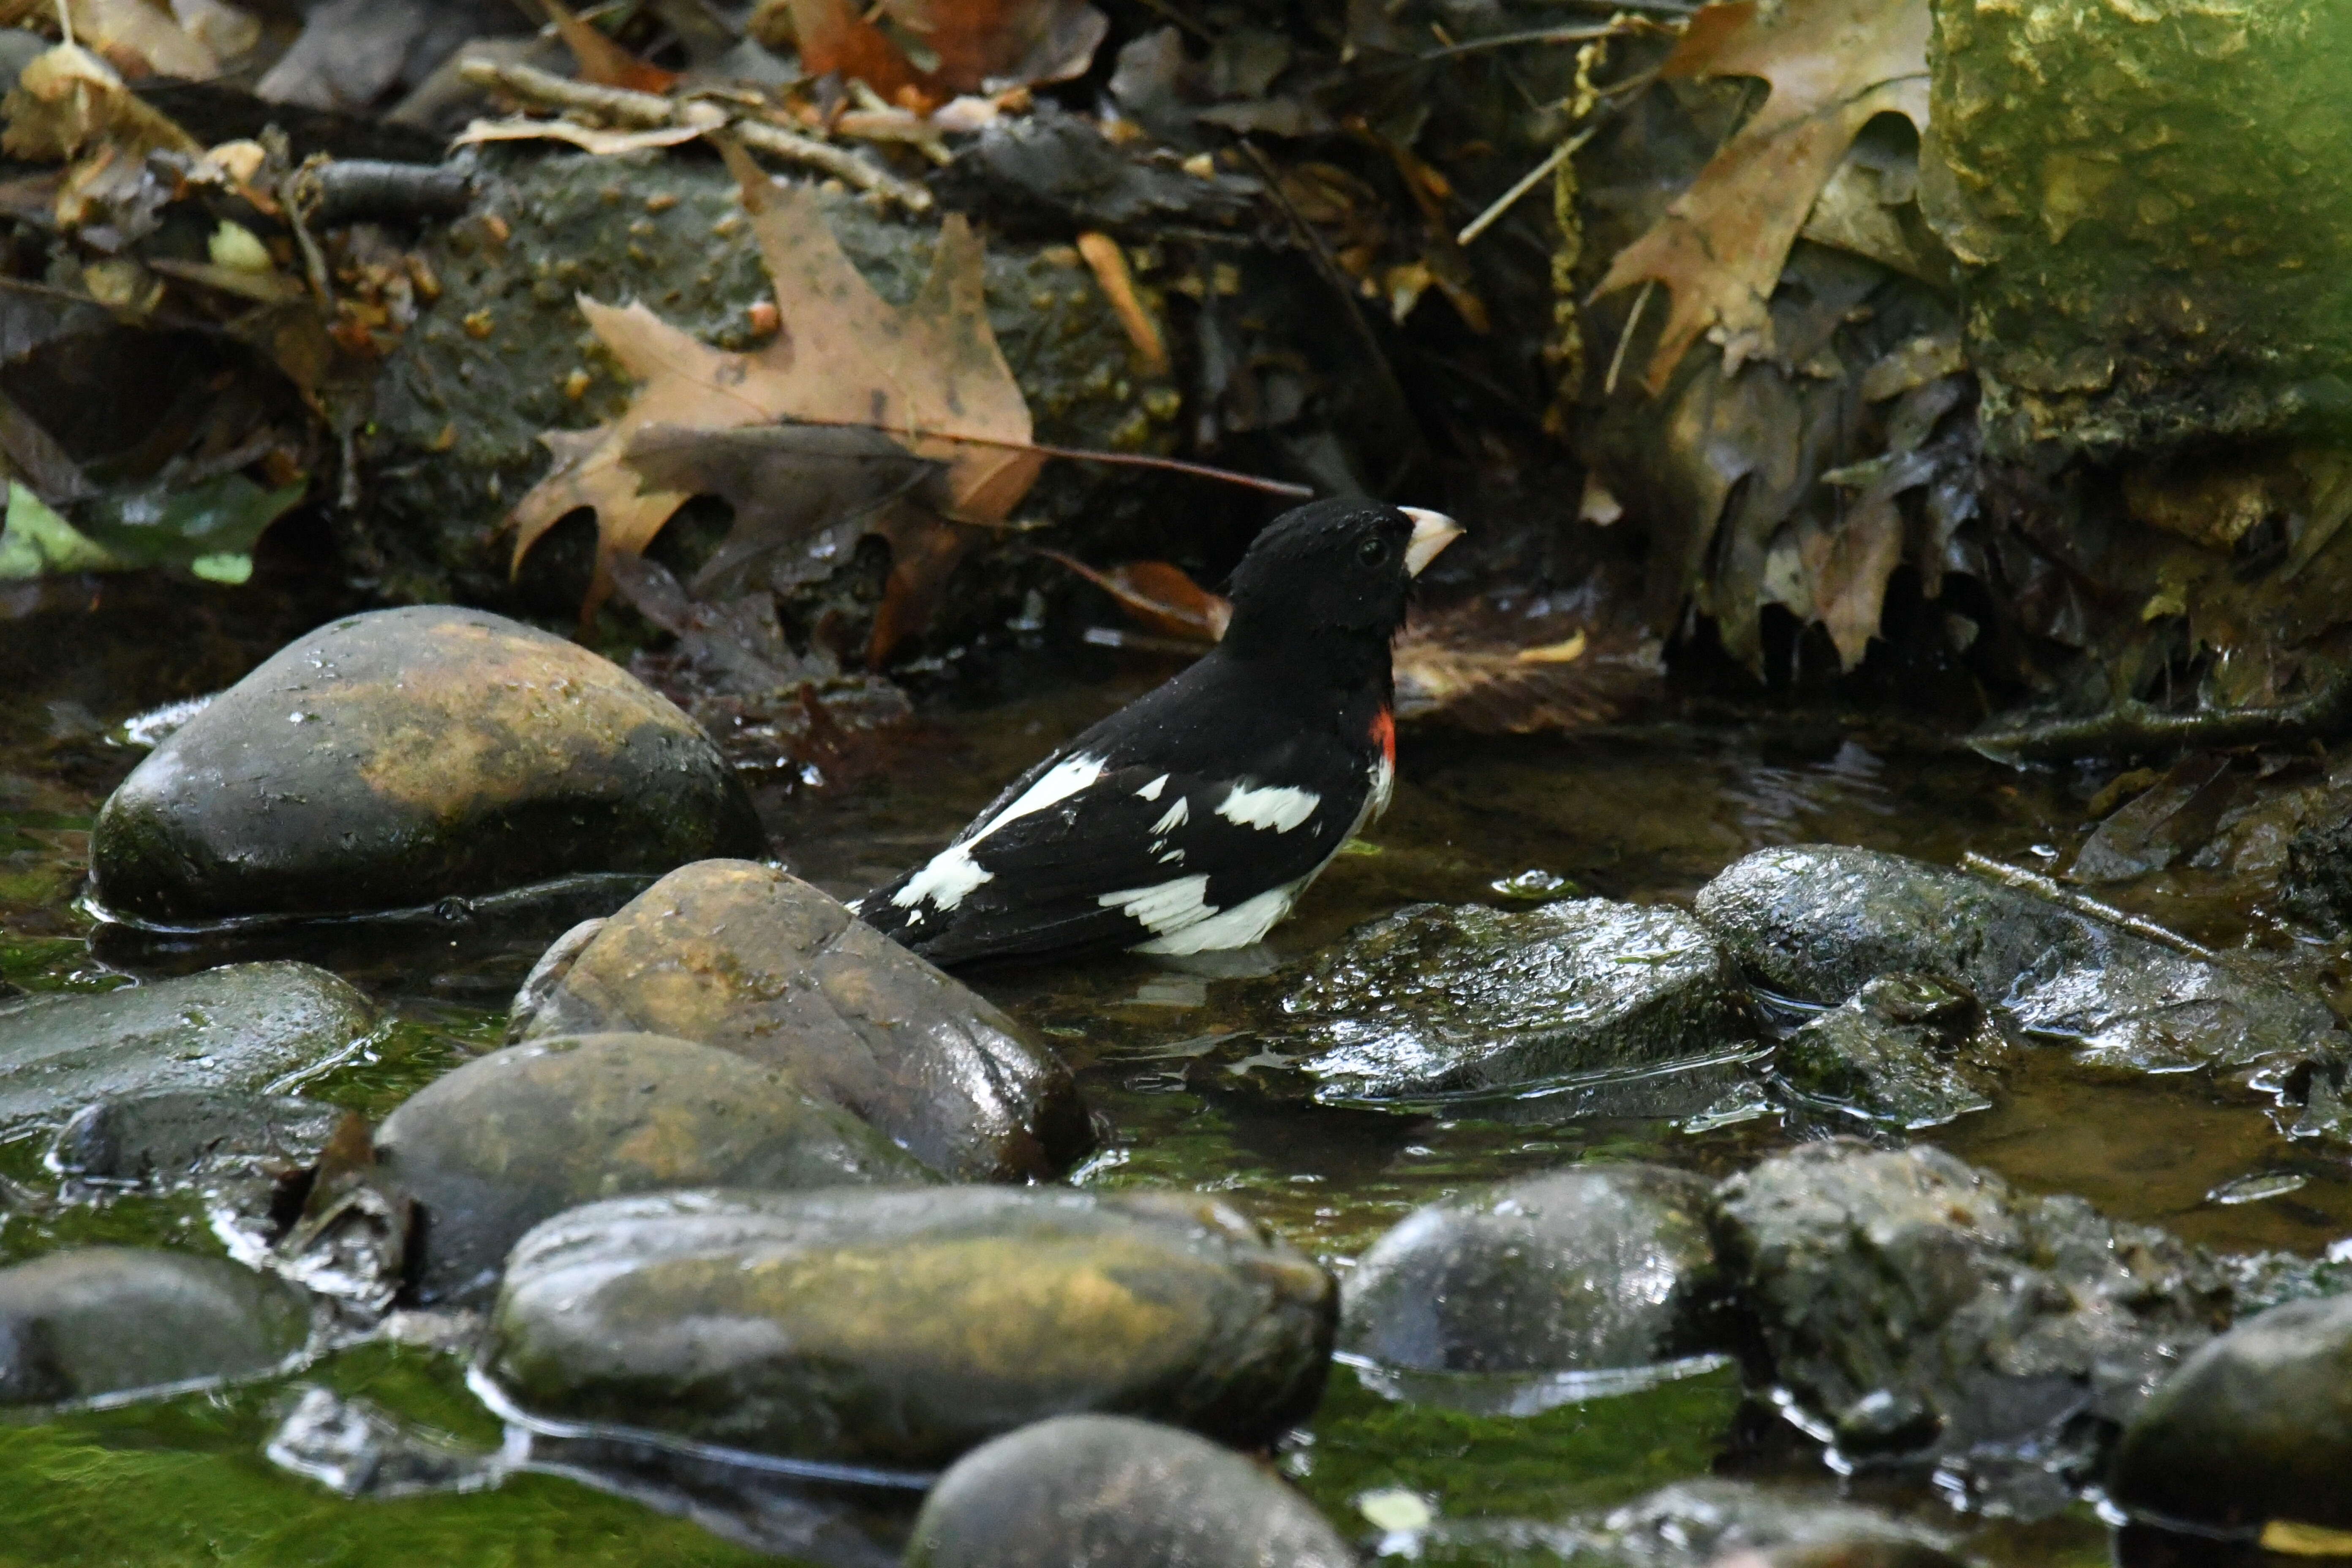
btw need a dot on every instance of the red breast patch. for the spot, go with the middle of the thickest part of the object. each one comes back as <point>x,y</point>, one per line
<point>1384,733</point>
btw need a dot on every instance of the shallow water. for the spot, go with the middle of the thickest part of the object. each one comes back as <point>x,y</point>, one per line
<point>1166,1055</point>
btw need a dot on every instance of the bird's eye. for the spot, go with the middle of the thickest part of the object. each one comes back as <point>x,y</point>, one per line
<point>1373,551</point>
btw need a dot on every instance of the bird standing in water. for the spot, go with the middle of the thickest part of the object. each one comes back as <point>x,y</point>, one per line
<point>1192,819</point>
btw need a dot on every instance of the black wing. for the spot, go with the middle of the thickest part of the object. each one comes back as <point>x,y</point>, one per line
<point>1087,853</point>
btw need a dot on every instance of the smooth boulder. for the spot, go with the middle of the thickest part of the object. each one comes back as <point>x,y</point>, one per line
<point>243,1026</point>
<point>1462,1001</point>
<point>175,1136</point>
<point>2254,1427</point>
<point>754,961</point>
<point>900,1329</point>
<point>1908,1051</point>
<point>104,1321</point>
<point>1109,1489</point>
<point>518,1136</point>
<point>1597,1268</point>
<point>1821,921</point>
<point>397,759</point>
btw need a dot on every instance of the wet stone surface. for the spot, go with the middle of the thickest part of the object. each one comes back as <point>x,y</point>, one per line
<point>1702,1524</point>
<point>753,960</point>
<point>1589,999</point>
<point>1908,1051</point>
<point>2255,1427</point>
<point>393,760</point>
<point>101,1321</point>
<point>900,1329</point>
<point>171,1137</point>
<point>242,1027</point>
<point>1913,1305</point>
<point>524,1134</point>
<point>1820,921</point>
<point>1602,1267</point>
<point>1104,1489</point>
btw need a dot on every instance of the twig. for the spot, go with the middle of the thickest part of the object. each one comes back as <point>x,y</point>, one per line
<point>648,110</point>
<point>2033,882</point>
<point>1528,182</point>
<point>1617,359</point>
<point>1086,455</point>
<point>1541,36</point>
<point>1108,263</point>
<point>351,189</point>
<point>2134,726</point>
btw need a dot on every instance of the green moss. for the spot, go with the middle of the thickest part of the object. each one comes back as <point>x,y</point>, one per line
<point>1595,1455</point>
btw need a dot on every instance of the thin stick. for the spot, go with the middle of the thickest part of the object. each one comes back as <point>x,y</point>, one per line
<point>2034,882</point>
<point>1542,35</point>
<point>648,110</point>
<point>1528,182</point>
<point>1118,283</point>
<point>1617,359</point>
<point>1078,455</point>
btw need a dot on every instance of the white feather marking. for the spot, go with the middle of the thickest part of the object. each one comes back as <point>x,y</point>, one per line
<point>1168,907</point>
<point>1152,791</point>
<point>1175,816</point>
<point>1279,806</point>
<point>1244,923</point>
<point>952,873</point>
<point>946,881</point>
<point>1384,780</point>
<point>1175,855</point>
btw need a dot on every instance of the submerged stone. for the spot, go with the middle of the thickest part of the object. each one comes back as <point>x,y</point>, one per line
<point>1466,1001</point>
<point>1908,1050</point>
<point>2256,1426</point>
<point>172,1136</point>
<point>104,1321</point>
<point>1109,1489</point>
<point>1821,921</point>
<point>1913,1305</point>
<point>756,961</point>
<point>901,1329</point>
<point>243,1026</point>
<point>520,1135</point>
<point>393,760</point>
<point>1598,1268</point>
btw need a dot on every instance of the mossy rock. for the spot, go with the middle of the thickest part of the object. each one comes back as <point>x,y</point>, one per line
<point>114,1320</point>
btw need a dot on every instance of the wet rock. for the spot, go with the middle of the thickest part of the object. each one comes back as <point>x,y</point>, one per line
<point>243,1026</point>
<point>1598,1268</point>
<point>520,1135</point>
<point>1468,1001</point>
<point>2255,1427</point>
<point>1699,1524</point>
<point>171,1137</point>
<point>1908,1050</point>
<point>1106,1489</point>
<point>358,1448</point>
<point>753,960</point>
<point>1913,1305</point>
<point>112,1319</point>
<point>1820,921</point>
<point>394,760</point>
<point>900,1329</point>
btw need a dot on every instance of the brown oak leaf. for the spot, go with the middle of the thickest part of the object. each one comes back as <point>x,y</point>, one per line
<point>928,375</point>
<point>1832,64</point>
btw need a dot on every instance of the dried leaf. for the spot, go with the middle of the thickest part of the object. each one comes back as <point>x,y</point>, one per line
<point>2169,821</point>
<point>929,375</point>
<point>587,138</point>
<point>1160,597</point>
<point>1505,668</point>
<point>68,98</point>
<point>988,44</point>
<point>835,39</point>
<point>1832,64</point>
<point>603,61</point>
<point>138,39</point>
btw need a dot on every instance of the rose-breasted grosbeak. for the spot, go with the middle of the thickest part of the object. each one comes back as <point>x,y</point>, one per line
<point>1193,818</point>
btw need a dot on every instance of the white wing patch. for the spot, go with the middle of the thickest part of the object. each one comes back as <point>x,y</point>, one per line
<point>1280,807</point>
<point>1174,817</point>
<point>952,873</point>
<point>1244,923</point>
<point>1152,791</point>
<point>1169,906</point>
<point>1383,782</point>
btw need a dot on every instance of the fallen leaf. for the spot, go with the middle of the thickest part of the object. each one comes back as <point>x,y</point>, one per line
<point>587,138</point>
<point>600,59</point>
<point>1158,596</point>
<point>928,375</point>
<point>1831,65</point>
<point>835,39</point>
<point>136,38</point>
<point>68,98</point>
<point>983,45</point>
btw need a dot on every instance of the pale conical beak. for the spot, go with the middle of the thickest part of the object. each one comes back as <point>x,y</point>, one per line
<point>1431,531</point>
